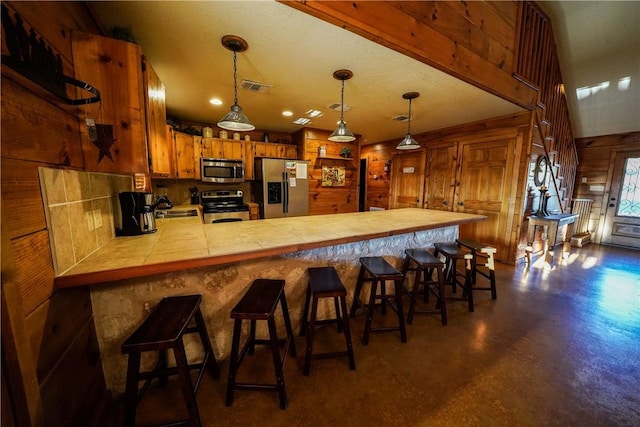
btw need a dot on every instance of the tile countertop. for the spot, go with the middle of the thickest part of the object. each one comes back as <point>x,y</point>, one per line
<point>183,243</point>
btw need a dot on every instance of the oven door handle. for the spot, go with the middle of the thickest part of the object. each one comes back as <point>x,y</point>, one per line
<point>285,199</point>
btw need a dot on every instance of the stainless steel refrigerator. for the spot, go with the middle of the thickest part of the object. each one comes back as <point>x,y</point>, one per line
<point>281,187</point>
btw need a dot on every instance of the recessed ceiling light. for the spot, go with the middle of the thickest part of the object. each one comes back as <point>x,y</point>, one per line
<point>287,113</point>
<point>215,101</point>
<point>302,121</point>
<point>314,113</point>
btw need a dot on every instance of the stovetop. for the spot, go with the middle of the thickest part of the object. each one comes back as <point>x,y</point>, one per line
<point>223,201</point>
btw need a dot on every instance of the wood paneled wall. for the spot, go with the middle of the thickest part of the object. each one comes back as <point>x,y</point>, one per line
<point>596,156</point>
<point>381,154</point>
<point>325,199</point>
<point>49,343</point>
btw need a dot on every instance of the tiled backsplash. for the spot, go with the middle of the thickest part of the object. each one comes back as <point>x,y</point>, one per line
<point>79,208</point>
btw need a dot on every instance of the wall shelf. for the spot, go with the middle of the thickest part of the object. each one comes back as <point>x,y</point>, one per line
<point>335,158</point>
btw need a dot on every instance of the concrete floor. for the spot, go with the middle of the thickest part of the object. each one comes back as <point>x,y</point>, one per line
<point>560,347</point>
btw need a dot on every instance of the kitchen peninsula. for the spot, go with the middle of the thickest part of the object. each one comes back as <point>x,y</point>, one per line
<point>219,261</point>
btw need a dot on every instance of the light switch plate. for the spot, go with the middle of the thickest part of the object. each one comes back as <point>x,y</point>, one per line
<point>90,223</point>
<point>97,218</point>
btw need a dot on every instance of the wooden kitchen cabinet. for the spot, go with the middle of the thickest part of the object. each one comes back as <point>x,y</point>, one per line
<point>223,148</point>
<point>160,147</point>
<point>126,119</point>
<point>185,150</point>
<point>255,149</point>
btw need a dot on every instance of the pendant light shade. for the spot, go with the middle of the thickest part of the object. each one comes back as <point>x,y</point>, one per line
<point>342,133</point>
<point>235,119</point>
<point>408,143</point>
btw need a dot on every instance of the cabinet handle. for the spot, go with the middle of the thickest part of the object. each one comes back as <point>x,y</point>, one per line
<point>445,203</point>
<point>460,203</point>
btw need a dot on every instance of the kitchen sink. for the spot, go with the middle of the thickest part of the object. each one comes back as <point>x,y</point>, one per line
<point>176,213</point>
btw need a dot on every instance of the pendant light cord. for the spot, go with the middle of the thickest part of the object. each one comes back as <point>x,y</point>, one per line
<point>342,102</point>
<point>409,123</point>
<point>235,80</point>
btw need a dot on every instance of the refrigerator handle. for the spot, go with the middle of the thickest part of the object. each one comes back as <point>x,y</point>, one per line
<point>285,200</point>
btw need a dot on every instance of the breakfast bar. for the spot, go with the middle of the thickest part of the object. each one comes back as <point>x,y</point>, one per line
<point>130,275</point>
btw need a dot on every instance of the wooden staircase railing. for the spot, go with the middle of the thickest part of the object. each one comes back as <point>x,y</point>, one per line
<point>537,66</point>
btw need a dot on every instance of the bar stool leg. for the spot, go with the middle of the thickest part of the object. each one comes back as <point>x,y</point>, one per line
<point>305,313</point>
<point>204,337</point>
<point>356,296</point>
<point>162,364</point>
<point>312,326</point>
<point>370,308</point>
<point>403,330</point>
<point>383,299</point>
<point>347,333</point>
<point>441,299</point>
<point>252,338</point>
<point>414,294</point>
<point>277,362</point>
<point>131,392</point>
<point>468,282</point>
<point>287,325</point>
<point>338,316</point>
<point>233,362</point>
<point>186,384</point>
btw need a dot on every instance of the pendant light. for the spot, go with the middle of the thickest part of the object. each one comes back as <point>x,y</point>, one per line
<point>235,119</point>
<point>342,133</point>
<point>408,143</point>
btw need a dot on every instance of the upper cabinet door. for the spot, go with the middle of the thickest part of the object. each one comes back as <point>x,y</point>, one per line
<point>118,142</point>
<point>160,148</point>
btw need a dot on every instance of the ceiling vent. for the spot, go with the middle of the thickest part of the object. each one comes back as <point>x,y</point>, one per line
<point>255,86</point>
<point>336,106</point>
<point>401,118</point>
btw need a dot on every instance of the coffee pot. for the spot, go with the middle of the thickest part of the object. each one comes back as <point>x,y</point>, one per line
<point>136,214</point>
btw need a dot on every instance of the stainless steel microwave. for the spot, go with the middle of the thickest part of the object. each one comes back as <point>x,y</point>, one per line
<point>221,170</point>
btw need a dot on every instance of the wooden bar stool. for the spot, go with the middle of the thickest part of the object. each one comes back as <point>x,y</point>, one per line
<point>161,331</point>
<point>325,283</point>
<point>259,303</point>
<point>455,276</point>
<point>379,270</point>
<point>423,263</point>
<point>482,263</point>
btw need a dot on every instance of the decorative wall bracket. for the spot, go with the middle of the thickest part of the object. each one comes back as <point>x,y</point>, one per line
<point>31,57</point>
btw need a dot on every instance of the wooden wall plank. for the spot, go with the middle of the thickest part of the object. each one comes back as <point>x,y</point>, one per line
<point>34,129</point>
<point>54,325</point>
<point>34,269</point>
<point>21,198</point>
<point>80,368</point>
<point>57,341</point>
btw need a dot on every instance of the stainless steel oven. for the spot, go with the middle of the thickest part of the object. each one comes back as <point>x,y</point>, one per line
<point>223,206</point>
<point>221,170</point>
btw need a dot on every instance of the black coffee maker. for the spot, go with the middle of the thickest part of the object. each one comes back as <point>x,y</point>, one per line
<point>136,214</point>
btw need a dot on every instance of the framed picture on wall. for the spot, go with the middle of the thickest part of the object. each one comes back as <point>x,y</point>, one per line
<point>333,176</point>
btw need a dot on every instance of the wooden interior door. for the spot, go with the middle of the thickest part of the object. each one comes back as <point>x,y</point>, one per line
<point>486,188</point>
<point>622,217</point>
<point>441,179</point>
<point>407,180</point>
